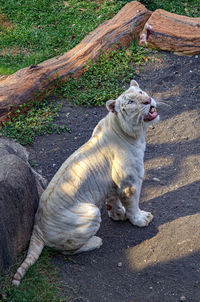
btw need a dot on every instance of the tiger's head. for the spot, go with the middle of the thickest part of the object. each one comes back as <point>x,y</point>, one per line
<point>134,109</point>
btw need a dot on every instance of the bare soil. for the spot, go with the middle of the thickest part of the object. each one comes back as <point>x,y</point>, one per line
<point>159,263</point>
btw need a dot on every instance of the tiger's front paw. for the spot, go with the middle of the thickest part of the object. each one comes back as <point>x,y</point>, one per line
<point>141,219</point>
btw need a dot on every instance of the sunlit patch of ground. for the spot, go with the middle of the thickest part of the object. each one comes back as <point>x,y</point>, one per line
<point>188,172</point>
<point>175,239</point>
<point>183,126</point>
<point>166,93</point>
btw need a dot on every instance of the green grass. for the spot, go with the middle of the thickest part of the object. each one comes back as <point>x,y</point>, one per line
<point>42,29</point>
<point>46,28</point>
<point>106,79</point>
<point>188,8</point>
<point>40,283</point>
<point>37,121</point>
<point>5,70</point>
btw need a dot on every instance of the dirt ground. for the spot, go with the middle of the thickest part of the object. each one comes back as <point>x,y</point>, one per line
<point>159,263</point>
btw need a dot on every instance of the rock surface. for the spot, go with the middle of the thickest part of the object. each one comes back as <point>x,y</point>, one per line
<point>18,200</point>
<point>23,85</point>
<point>172,32</point>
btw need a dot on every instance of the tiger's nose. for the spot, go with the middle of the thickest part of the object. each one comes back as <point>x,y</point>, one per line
<point>147,102</point>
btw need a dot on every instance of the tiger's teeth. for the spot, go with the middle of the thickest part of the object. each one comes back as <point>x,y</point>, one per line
<point>153,110</point>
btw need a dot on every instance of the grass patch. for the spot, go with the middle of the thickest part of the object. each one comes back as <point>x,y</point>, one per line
<point>37,121</point>
<point>39,284</point>
<point>5,70</point>
<point>42,29</point>
<point>182,7</point>
<point>105,79</point>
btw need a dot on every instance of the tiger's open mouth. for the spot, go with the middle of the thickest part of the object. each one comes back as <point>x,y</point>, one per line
<point>151,115</point>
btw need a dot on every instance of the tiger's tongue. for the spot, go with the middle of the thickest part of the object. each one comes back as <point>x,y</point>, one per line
<point>152,114</point>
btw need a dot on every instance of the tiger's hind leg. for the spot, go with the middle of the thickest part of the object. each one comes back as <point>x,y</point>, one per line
<point>82,222</point>
<point>92,244</point>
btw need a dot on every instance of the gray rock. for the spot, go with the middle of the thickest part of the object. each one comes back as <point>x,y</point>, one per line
<point>19,198</point>
<point>10,147</point>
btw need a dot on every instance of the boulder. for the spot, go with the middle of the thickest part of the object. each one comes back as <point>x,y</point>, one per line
<point>172,32</point>
<point>25,84</point>
<point>19,199</point>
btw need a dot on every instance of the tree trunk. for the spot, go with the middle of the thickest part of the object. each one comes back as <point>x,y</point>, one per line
<point>25,84</point>
<point>173,32</point>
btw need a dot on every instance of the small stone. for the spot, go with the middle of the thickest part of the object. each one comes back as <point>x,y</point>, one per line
<point>119,264</point>
<point>156,179</point>
<point>182,298</point>
<point>196,57</point>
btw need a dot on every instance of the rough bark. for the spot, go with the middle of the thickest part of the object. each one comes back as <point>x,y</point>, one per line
<point>23,85</point>
<point>172,32</point>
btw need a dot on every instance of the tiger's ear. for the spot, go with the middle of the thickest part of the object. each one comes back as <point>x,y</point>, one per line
<point>134,83</point>
<point>112,106</point>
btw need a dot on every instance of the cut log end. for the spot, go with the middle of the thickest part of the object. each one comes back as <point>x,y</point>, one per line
<point>172,32</point>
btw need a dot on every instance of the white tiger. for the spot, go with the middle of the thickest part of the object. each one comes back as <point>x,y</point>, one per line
<point>109,167</point>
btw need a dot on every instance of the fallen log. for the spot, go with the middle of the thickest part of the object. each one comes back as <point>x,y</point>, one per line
<point>172,32</point>
<point>25,84</point>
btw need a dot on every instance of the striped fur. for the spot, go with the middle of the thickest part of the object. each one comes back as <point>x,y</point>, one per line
<point>35,248</point>
<point>108,168</point>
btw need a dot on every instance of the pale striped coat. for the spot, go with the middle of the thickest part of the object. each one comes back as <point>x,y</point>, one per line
<point>109,167</point>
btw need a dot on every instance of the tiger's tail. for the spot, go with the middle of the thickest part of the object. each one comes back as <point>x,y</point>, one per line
<point>35,249</point>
